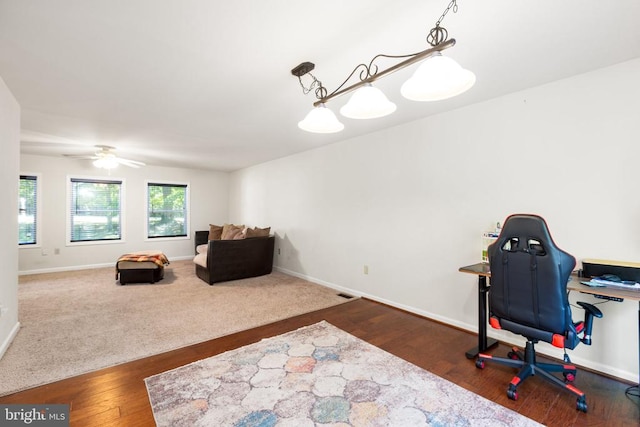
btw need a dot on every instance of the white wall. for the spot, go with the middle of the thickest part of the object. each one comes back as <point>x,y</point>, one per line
<point>411,202</point>
<point>10,148</point>
<point>209,204</point>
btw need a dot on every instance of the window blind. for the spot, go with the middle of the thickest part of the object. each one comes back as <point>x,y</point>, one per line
<point>167,210</point>
<point>27,210</point>
<point>95,210</point>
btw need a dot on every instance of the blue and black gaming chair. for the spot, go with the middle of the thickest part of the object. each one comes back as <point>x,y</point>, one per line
<point>528,296</point>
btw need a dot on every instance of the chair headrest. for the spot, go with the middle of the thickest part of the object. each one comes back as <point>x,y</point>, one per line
<point>526,232</point>
<point>526,225</point>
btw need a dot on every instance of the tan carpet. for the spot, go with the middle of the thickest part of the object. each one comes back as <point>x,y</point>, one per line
<point>80,321</point>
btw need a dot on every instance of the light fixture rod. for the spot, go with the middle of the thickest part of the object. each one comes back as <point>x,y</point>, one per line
<point>417,57</point>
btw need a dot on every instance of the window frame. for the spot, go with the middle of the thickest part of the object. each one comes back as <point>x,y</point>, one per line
<point>187,187</point>
<point>38,216</point>
<point>122,219</point>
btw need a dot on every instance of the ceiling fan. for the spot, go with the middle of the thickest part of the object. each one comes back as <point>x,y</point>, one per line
<point>106,159</point>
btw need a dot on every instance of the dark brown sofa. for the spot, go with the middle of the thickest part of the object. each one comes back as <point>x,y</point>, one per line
<point>235,259</point>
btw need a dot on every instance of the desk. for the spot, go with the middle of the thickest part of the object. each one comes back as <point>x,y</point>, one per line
<point>616,292</point>
<point>482,271</point>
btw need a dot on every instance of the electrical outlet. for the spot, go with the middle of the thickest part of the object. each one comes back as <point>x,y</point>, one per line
<point>56,251</point>
<point>278,251</point>
<point>365,270</point>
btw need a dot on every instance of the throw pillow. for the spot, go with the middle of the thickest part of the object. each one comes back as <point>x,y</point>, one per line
<point>215,232</point>
<point>230,231</point>
<point>258,232</point>
<point>202,249</point>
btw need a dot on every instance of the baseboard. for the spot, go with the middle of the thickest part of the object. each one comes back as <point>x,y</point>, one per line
<point>410,309</point>
<point>318,281</point>
<point>7,342</point>
<point>87,266</point>
<point>507,338</point>
<point>67,268</point>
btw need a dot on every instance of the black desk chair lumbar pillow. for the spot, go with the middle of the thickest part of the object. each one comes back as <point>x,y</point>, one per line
<point>528,296</point>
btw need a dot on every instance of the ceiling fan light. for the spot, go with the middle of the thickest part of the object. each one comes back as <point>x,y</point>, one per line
<point>368,102</point>
<point>321,120</point>
<point>438,77</point>
<point>106,162</point>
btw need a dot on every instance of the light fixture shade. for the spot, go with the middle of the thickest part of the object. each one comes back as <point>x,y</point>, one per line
<point>321,120</point>
<point>367,102</point>
<point>106,162</point>
<point>438,77</point>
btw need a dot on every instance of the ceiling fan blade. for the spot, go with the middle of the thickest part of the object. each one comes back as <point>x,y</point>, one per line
<point>106,153</point>
<point>39,139</point>
<point>55,145</point>
<point>130,163</point>
<point>81,156</point>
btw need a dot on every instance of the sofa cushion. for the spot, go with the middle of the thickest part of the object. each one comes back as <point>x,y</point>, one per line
<point>231,231</point>
<point>258,232</point>
<point>215,232</point>
<point>201,260</point>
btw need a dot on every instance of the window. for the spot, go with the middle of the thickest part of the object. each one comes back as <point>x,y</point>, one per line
<point>95,210</point>
<point>28,210</point>
<point>167,210</point>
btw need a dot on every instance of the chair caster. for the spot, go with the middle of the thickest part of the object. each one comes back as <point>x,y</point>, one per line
<point>480,364</point>
<point>514,354</point>
<point>581,404</point>
<point>569,377</point>
<point>512,393</point>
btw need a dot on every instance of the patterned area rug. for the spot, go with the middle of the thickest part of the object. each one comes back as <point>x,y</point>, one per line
<point>316,375</point>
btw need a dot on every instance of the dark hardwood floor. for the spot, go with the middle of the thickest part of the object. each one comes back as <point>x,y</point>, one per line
<point>117,396</point>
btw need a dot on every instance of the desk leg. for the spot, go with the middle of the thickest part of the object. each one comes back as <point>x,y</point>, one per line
<point>484,343</point>
<point>638,386</point>
<point>635,389</point>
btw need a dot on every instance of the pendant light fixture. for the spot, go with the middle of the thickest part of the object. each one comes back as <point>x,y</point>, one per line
<point>321,120</point>
<point>437,78</point>
<point>367,102</point>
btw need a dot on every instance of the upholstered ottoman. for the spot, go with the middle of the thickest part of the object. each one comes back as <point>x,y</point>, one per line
<point>141,267</point>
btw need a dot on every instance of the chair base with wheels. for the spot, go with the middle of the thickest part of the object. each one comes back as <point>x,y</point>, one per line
<point>529,367</point>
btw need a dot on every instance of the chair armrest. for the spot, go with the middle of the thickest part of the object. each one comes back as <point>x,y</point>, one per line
<point>201,238</point>
<point>590,311</point>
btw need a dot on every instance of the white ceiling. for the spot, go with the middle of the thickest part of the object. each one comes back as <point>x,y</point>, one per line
<point>207,84</point>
